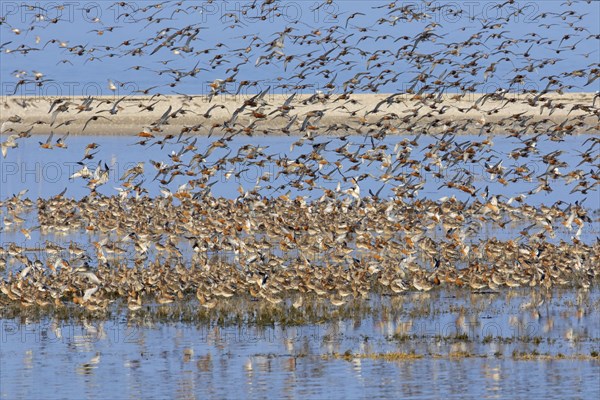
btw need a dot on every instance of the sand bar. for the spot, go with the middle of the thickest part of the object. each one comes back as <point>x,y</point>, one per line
<point>328,114</point>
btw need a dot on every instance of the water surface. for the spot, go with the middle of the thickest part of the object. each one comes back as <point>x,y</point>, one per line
<point>447,343</point>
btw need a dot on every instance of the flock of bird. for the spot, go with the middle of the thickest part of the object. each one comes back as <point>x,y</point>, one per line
<point>341,243</point>
<point>279,249</point>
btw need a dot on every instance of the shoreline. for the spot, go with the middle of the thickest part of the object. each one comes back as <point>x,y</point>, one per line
<point>328,114</point>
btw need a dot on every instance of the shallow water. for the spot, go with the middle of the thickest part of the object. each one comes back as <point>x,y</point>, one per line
<point>45,173</point>
<point>479,345</point>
